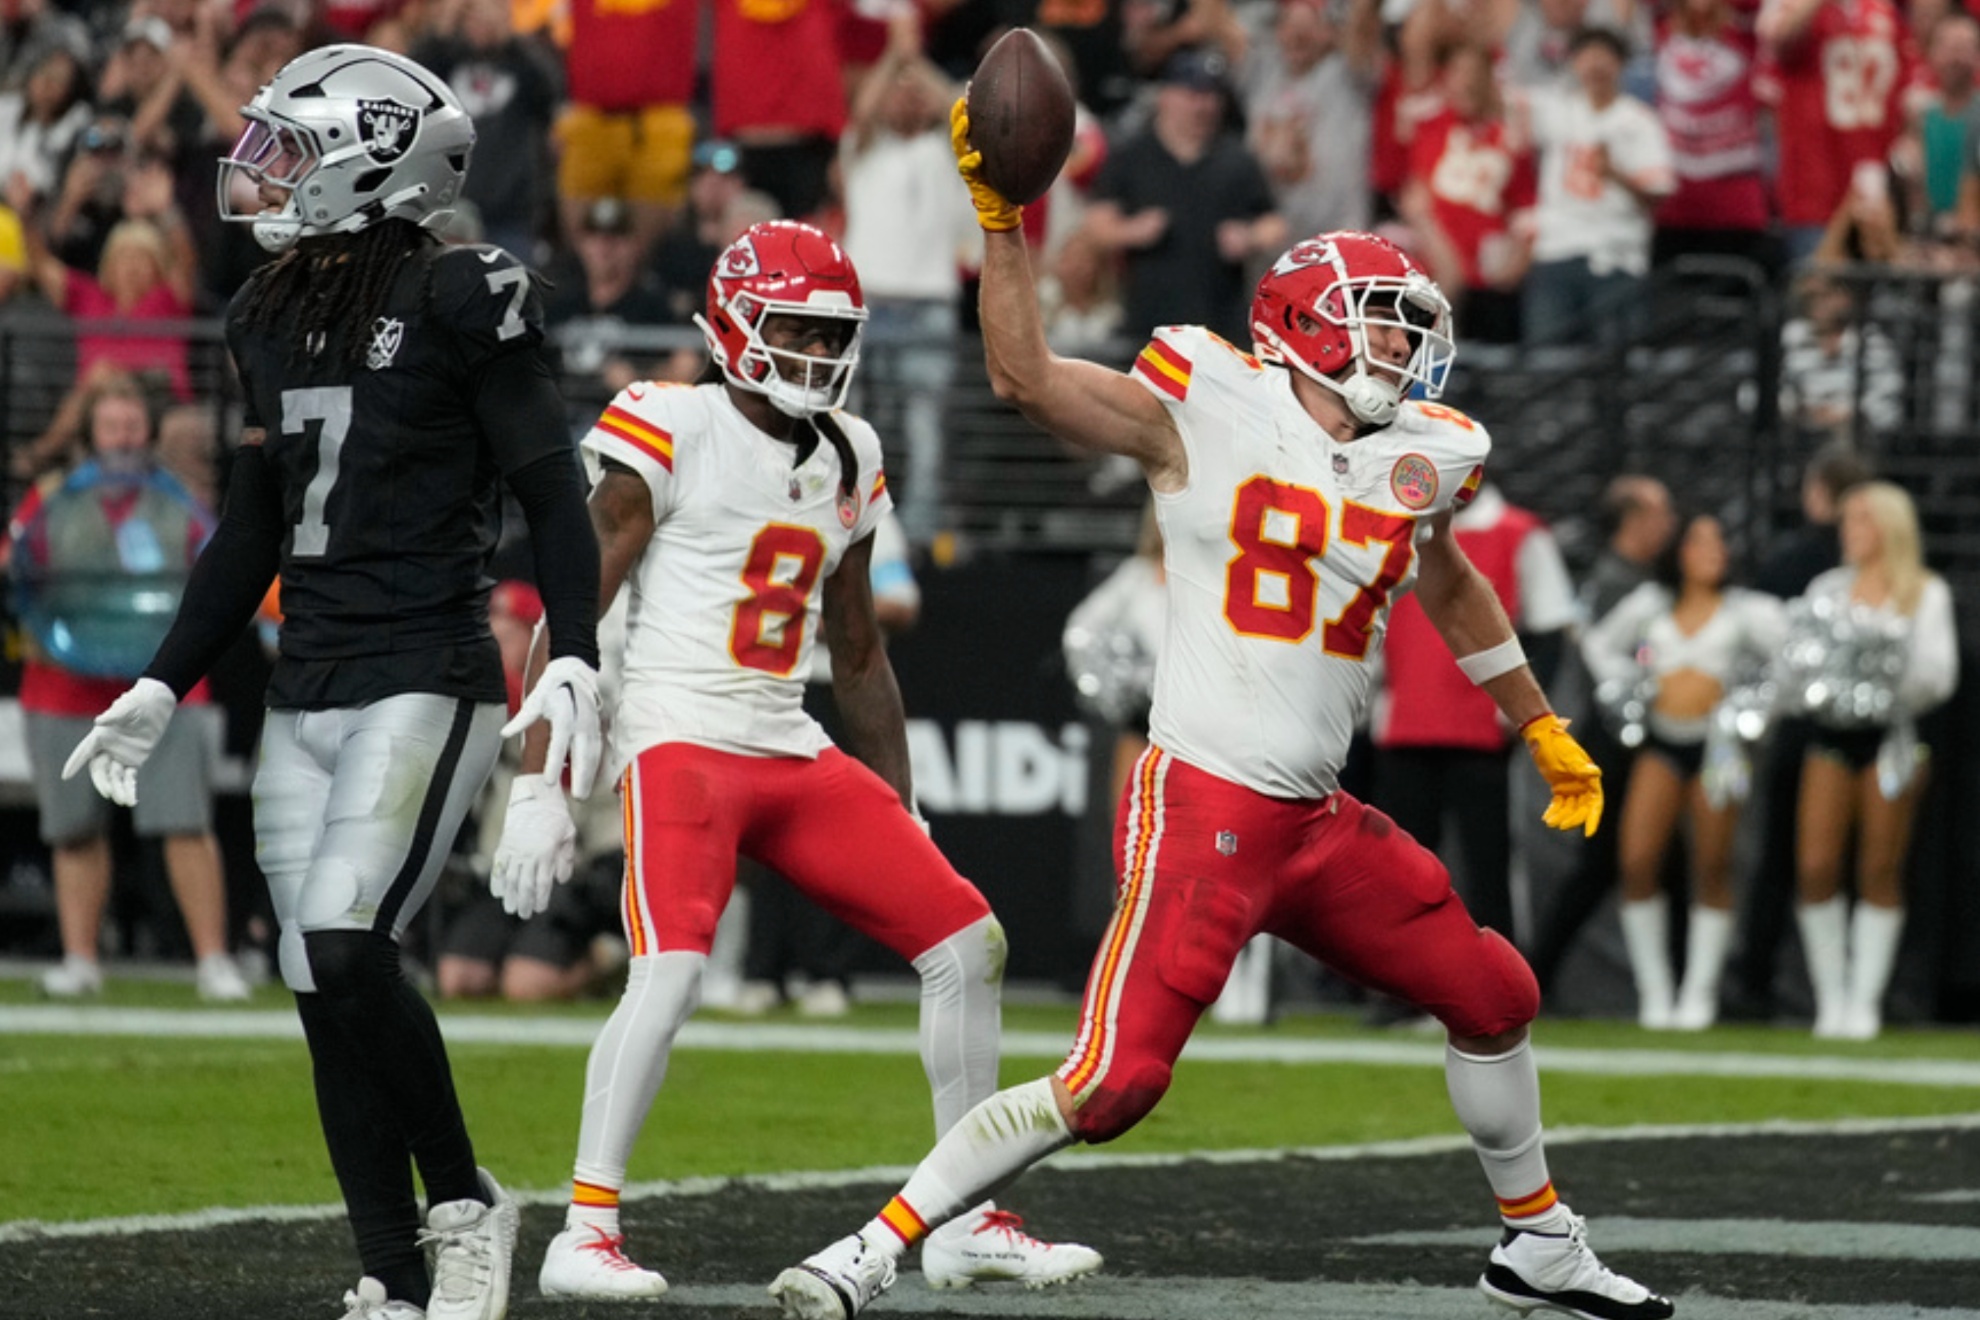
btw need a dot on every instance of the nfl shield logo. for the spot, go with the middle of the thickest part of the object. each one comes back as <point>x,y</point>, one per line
<point>386,128</point>
<point>1227,842</point>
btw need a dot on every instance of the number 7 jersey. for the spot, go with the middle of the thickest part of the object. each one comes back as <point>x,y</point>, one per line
<point>1284,553</point>
<point>724,604</point>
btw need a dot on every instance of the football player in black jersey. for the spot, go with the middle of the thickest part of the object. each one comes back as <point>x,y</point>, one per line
<point>393,386</point>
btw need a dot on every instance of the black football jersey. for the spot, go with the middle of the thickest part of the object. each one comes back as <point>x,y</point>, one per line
<point>391,482</point>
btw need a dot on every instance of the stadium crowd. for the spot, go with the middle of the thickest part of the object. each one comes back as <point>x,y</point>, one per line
<point>1540,158</point>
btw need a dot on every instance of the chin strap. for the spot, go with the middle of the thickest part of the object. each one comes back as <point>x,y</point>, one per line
<point>1370,399</point>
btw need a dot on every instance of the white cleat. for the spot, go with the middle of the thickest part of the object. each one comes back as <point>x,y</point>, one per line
<point>993,1247</point>
<point>836,1283</point>
<point>591,1263</point>
<point>368,1302</point>
<point>72,978</point>
<point>1559,1272</point>
<point>473,1246</point>
<point>219,980</point>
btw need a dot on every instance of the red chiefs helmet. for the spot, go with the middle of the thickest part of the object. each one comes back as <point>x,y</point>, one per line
<point>784,268</point>
<point>1313,310</point>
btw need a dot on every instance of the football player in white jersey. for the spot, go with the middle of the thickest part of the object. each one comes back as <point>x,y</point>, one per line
<point>742,513</point>
<point>1298,492</point>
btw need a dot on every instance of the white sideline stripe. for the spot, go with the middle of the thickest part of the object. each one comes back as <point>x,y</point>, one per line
<point>1077,1159</point>
<point>1835,1240</point>
<point>745,1037</point>
<point>1186,1298</point>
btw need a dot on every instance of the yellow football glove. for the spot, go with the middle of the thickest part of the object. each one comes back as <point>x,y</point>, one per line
<point>1575,779</point>
<point>992,211</point>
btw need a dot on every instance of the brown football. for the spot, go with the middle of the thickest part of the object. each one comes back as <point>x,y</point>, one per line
<point>1021,116</point>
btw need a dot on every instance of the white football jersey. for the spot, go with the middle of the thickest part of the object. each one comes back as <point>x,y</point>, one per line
<point>1284,553</point>
<point>724,605</point>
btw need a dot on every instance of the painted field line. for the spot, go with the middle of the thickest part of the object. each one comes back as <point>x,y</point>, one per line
<point>1185,1298</point>
<point>749,1037</point>
<point>1071,1161</point>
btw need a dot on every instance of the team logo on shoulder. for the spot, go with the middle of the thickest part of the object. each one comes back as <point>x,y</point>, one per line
<point>1414,481</point>
<point>386,128</point>
<point>387,333</point>
<point>848,508</point>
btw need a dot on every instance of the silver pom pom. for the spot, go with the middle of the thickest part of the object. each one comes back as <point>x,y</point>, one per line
<point>1113,674</point>
<point>1842,662</point>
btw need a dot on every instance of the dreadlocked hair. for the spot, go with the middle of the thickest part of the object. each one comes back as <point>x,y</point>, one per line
<point>325,293</point>
<point>827,425</point>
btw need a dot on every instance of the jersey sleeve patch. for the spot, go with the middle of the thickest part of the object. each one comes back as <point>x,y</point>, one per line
<point>1164,369</point>
<point>1468,489</point>
<point>645,436</point>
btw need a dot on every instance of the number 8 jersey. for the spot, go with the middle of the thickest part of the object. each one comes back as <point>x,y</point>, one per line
<point>1284,552</point>
<point>724,605</point>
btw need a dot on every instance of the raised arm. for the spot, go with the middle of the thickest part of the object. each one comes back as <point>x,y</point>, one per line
<point>1083,403</point>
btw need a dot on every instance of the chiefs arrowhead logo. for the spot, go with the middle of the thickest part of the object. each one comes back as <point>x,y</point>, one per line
<point>741,261</point>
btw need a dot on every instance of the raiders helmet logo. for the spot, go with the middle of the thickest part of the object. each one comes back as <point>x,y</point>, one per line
<point>387,128</point>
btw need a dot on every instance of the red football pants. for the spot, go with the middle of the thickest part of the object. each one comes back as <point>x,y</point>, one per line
<point>831,827</point>
<point>1205,865</point>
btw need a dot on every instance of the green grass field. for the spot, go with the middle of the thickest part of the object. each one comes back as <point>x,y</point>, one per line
<point>116,1125</point>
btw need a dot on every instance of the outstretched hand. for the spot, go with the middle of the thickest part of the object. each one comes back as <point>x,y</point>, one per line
<point>994,211</point>
<point>121,740</point>
<point>538,848</point>
<point>566,695</point>
<point>1568,770</point>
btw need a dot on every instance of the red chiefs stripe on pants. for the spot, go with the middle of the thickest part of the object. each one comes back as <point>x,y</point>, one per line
<point>1205,865</point>
<point>831,827</point>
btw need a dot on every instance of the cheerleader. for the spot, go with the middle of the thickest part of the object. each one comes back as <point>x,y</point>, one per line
<point>1689,634</point>
<point>1883,582</point>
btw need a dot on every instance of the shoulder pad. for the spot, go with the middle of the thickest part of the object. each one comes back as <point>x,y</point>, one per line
<point>487,297</point>
<point>1444,426</point>
<point>647,416</point>
<point>1176,354</point>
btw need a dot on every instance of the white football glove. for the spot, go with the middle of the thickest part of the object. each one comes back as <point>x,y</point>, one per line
<point>538,849</point>
<point>122,740</point>
<point>566,694</point>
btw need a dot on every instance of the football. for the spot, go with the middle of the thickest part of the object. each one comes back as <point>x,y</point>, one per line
<point>1021,116</point>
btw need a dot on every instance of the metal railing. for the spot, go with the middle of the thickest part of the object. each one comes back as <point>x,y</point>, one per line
<point>1695,402</point>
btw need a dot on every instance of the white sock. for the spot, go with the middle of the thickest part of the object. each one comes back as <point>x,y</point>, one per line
<point>627,1064</point>
<point>961,1018</point>
<point>1874,935</point>
<point>993,1144</point>
<point>1497,1099</point>
<point>601,1217</point>
<point>1646,925</point>
<point>1822,936</point>
<point>1247,996</point>
<point>1706,943</point>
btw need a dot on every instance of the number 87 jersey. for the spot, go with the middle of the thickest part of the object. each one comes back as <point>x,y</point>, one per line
<point>1284,553</point>
<point>725,602</point>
